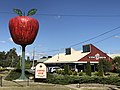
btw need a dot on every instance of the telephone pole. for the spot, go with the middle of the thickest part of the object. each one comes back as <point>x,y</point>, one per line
<point>33,64</point>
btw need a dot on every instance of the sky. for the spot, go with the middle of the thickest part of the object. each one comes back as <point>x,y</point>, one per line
<point>65,23</point>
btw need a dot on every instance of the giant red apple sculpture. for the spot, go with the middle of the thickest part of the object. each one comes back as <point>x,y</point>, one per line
<point>23,30</point>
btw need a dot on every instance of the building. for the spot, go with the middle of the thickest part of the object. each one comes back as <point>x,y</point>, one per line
<point>77,60</point>
<point>113,55</point>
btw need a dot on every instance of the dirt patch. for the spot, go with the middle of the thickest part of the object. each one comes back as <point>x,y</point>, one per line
<point>93,87</point>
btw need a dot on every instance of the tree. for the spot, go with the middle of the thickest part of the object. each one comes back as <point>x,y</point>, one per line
<point>100,68</point>
<point>66,69</point>
<point>2,58</point>
<point>104,65</point>
<point>116,63</point>
<point>88,69</point>
<point>28,58</point>
<point>11,58</point>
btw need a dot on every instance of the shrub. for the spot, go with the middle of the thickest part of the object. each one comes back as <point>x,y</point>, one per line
<point>67,79</point>
<point>100,68</point>
<point>88,69</point>
<point>74,73</point>
<point>80,73</point>
<point>15,74</point>
<point>3,69</point>
<point>96,74</point>
<point>70,72</point>
<point>66,69</point>
<point>104,66</point>
<point>60,72</point>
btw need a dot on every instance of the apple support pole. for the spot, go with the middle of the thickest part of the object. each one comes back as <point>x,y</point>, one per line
<point>23,77</point>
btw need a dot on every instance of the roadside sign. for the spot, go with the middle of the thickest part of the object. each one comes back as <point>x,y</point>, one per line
<point>41,71</point>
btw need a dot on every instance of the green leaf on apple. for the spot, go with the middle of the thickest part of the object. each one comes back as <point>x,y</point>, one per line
<point>31,12</point>
<point>18,11</point>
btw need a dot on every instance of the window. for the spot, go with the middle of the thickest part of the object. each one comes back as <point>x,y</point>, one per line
<point>68,51</point>
<point>86,48</point>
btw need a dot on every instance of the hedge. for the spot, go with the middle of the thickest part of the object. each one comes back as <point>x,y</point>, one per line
<point>68,79</point>
<point>15,74</point>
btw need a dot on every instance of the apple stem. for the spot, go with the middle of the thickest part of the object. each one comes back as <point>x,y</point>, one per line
<point>24,14</point>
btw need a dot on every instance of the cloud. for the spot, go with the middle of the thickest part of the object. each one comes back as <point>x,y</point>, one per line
<point>116,36</point>
<point>2,41</point>
<point>11,39</point>
<point>26,54</point>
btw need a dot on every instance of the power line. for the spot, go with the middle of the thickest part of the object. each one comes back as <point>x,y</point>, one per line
<point>7,13</point>
<point>89,39</point>
<point>106,38</point>
<point>75,15</point>
<point>95,37</point>
<point>57,50</point>
<point>78,15</point>
<point>93,43</point>
<point>69,15</point>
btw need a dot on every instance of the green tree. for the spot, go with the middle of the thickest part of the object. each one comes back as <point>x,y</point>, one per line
<point>104,65</point>
<point>11,58</point>
<point>100,68</point>
<point>18,66</point>
<point>66,69</point>
<point>88,69</point>
<point>28,58</point>
<point>28,64</point>
<point>2,58</point>
<point>116,63</point>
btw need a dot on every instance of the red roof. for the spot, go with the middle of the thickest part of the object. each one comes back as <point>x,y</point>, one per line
<point>95,54</point>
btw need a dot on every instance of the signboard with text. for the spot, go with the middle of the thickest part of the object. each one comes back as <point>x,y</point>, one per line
<point>97,57</point>
<point>41,71</point>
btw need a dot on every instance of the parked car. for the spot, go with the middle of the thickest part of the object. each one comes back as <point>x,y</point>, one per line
<point>53,69</point>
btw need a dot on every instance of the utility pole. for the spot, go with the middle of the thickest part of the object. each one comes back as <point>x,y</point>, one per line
<point>20,58</point>
<point>33,58</point>
<point>58,54</point>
